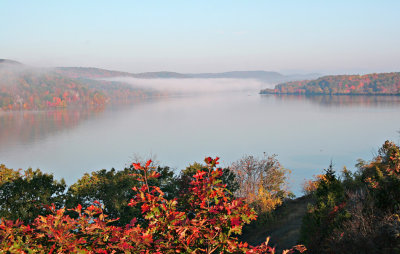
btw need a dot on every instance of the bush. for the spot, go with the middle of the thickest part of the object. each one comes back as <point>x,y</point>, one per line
<point>183,183</point>
<point>359,213</point>
<point>113,189</point>
<point>262,182</point>
<point>310,186</point>
<point>210,226</point>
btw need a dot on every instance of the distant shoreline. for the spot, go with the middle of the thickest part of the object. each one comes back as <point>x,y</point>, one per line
<point>367,85</point>
<point>335,94</point>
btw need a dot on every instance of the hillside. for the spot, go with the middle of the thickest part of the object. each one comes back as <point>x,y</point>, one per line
<point>96,73</point>
<point>283,228</point>
<point>263,76</point>
<point>161,74</point>
<point>370,84</point>
<point>24,87</point>
<point>89,72</point>
<point>4,62</point>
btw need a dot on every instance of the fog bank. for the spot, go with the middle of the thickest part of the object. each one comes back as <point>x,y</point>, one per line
<point>196,85</point>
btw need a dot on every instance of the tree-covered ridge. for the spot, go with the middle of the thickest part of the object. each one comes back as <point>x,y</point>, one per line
<point>89,72</point>
<point>370,84</point>
<point>39,89</point>
<point>263,76</point>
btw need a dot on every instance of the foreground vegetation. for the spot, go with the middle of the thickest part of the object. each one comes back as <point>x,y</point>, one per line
<point>204,209</point>
<point>202,217</point>
<point>358,212</point>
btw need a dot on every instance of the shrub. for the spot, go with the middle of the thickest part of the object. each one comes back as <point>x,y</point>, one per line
<point>310,186</point>
<point>183,183</point>
<point>360,212</point>
<point>210,226</point>
<point>113,189</point>
<point>262,182</point>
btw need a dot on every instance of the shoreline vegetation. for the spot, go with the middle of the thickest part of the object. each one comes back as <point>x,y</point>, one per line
<point>369,84</point>
<point>27,88</point>
<point>37,90</point>
<point>24,87</point>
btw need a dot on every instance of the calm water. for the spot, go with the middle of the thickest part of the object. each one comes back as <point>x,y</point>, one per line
<point>305,133</point>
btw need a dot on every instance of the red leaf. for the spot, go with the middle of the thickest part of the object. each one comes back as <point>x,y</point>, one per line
<point>199,174</point>
<point>235,221</point>
<point>136,165</point>
<point>148,163</point>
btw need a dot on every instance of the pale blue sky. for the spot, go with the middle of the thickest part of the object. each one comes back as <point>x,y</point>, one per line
<point>342,36</point>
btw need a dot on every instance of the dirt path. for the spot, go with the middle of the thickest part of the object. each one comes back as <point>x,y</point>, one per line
<point>284,230</point>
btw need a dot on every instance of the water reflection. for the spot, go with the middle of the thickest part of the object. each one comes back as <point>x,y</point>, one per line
<point>306,132</point>
<point>28,126</point>
<point>342,100</point>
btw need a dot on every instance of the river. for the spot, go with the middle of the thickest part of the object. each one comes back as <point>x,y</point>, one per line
<point>306,133</point>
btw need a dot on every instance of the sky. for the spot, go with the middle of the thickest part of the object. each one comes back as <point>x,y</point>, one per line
<point>289,36</point>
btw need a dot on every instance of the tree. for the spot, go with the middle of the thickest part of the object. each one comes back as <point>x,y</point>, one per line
<point>262,181</point>
<point>373,203</point>
<point>186,176</point>
<point>24,195</point>
<point>113,189</point>
<point>326,214</point>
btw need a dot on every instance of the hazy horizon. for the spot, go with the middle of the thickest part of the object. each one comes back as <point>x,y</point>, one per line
<point>341,37</point>
<point>43,67</point>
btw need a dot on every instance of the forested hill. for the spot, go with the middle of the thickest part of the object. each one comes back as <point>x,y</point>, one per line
<point>26,87</point>
<point>370,84</point>
<point>89,72</point>
<point>4,62</point>
<point>23,87</point>
<point>95,73</point>
<point>262,76</point>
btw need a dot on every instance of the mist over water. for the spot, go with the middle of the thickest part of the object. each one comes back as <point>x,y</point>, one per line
<point>305,132</point>
<point>196,85</point>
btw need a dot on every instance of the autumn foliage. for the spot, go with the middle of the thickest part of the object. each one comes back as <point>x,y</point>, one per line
<point>311,185</point>
<point>262,182</point>
<point>357,212</point>
<point>23,88</point>
<point>377,84</point>
<point>210,225</point>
